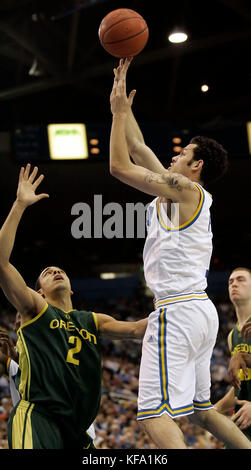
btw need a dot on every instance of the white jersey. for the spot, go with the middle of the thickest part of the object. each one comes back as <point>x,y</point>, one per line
<point>177,257</point>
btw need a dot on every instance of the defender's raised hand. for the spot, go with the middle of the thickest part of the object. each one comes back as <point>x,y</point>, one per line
<point>27,186</point>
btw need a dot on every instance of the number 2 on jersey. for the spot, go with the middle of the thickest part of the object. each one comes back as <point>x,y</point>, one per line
<point>75,350</point>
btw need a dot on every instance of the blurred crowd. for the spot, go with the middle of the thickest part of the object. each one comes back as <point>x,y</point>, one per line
<point>116,426</point>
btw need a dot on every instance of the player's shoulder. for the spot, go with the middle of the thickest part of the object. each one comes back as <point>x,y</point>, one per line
<point>86,316</point>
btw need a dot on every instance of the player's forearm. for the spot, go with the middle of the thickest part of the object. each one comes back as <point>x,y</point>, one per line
<point>141,154</point>
<point>122,329</point>
<point>119,156</point>
<point>8,232</point>
<point>134,137</point>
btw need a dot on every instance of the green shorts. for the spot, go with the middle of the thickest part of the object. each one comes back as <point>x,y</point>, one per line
<point>28,428</point>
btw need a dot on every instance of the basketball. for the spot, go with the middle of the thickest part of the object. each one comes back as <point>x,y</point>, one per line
<point>123,33</point>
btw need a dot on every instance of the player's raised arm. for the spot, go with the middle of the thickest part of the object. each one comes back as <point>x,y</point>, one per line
<point>142,154</point>
<point>24,299</point>
<point>174,186</point>
<point>110,328</point>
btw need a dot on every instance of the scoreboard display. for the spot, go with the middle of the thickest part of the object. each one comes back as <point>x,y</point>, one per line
<point>90,142</point>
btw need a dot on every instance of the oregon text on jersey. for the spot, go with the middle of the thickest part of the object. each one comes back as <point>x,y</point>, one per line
<point>69,326</point>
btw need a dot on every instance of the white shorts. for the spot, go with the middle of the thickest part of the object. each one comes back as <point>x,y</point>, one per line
<point>177,348</point>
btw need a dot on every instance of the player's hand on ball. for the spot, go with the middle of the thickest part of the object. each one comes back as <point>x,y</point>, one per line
<point>121,71</point>
<point>27,186</point>
<point>120,103</point>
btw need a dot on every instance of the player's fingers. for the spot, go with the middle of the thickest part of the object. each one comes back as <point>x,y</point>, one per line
<point>38,181</point>
<point>240,402</point>
<point>33,174</point>
<point>131,97</point>
<point>243,425</point>
<point>236,415</point>
<point>27,171</point>
<point>42,196</point>
<point>244,368</point>
<point>21,174</point>
<point>127,63</point>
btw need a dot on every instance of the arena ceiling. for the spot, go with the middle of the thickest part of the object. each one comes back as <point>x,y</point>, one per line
<point>73,75</point>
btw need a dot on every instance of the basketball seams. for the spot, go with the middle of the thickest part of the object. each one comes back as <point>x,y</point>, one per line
<point>125,39</point>
<point>102,35</point>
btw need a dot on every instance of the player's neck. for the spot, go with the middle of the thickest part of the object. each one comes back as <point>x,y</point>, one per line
<point>62,301</point>
<point>195,179</point>
<point>243,312</point>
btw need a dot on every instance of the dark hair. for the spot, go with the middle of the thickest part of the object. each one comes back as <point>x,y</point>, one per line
<point>214,156</point>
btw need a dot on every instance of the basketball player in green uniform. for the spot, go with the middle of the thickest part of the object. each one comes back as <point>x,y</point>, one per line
<point>58,346</point>
<point>239,396</point>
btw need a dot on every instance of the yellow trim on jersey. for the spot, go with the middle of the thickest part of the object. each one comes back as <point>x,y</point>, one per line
<point>25,367</point>
<point>188,221</point>
<point>162,353</point>
<point>68,311</point>
<point>95,319</point>
<point>165,405</point>
<point>185,297</point>
<point>230,345</point>
<point>8,364</point>
<point>22,424</point>
<point>34,318</point>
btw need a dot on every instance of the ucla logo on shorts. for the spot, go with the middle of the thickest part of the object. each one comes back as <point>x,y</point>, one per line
<point>149,215</point>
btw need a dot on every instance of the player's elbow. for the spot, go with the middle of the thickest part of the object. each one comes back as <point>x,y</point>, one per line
<point>116,171</point>
<point>113,170</point>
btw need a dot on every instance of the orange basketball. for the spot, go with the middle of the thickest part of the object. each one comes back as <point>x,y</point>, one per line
<point>123,33</point>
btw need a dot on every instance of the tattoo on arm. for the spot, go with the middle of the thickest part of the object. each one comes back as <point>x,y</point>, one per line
<point>171,180</point>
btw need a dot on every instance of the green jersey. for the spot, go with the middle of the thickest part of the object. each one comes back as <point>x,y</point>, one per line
<point>60,364</point>
<point>238,344</point>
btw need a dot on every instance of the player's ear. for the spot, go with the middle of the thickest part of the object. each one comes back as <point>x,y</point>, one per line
<point>198,164</point>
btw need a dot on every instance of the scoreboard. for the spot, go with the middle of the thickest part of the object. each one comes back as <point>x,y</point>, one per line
<point>90,142</point>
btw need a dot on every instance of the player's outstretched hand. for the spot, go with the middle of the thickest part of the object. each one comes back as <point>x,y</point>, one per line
<point>27,186</point>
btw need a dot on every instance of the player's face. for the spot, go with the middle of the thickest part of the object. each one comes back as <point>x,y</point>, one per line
<point>182,163</point>
<point>54,278</point>
<point>239,286</point>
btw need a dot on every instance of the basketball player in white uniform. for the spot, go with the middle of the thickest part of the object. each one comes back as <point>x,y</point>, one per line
<point>175,367</point>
